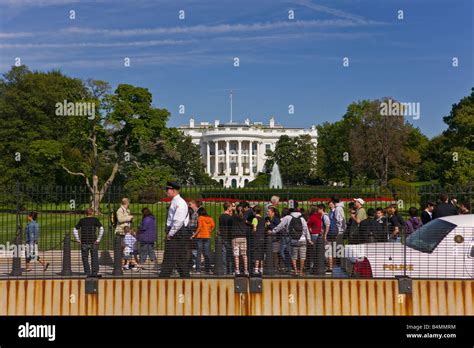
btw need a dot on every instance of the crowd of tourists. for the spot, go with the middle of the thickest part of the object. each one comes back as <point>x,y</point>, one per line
<point>255,239</point>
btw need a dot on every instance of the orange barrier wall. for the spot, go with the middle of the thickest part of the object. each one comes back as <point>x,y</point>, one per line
<point>217,297</point>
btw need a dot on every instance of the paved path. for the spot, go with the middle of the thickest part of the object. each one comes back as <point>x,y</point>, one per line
<point>54,258</point>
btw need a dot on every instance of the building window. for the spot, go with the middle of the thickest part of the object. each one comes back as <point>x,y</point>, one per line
<point>268,148</point>
<point>233,183</point>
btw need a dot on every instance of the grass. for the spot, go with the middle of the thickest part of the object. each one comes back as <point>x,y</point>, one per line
<point>54,225</point>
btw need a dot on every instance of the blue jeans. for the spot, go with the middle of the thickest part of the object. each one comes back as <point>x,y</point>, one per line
<point>311,250</point>
<point>93,249</point>
<point>227,257</point>
<point>203,247</point>
<point>285,251</point>
<point>147,250</point>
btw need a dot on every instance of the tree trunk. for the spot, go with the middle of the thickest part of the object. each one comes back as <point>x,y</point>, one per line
<point>385,174</point>
<point>96,196</point>
<point>96,193</point>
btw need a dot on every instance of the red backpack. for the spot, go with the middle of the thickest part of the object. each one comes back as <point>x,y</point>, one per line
<point>363,269</point>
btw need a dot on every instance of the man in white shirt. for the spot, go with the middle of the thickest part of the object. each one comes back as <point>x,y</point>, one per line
<point>339,214</point>
<point>177,236</point>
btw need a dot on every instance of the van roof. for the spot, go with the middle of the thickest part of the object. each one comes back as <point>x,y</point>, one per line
<point>466,220</point>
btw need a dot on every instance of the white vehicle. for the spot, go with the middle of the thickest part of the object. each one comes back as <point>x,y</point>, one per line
<point>443,248</point>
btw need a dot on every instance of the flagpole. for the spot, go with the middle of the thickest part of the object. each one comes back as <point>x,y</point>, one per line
<point>230,106</point>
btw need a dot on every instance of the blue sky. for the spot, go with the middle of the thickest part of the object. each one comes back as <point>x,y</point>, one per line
<point>282,61</point>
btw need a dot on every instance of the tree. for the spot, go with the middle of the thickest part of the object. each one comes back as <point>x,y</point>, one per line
<point>32,135</point>
<point>296,158</point>
<point>184,157</point>
<point>431,155</point>
<point>460,166</point>
<point>414,146</point>
<point>457,162</point>
<point>125,140</point>
<point>460,123</point>
<point>384,146</point>
<point>126,125</point>
<point>333,152</point>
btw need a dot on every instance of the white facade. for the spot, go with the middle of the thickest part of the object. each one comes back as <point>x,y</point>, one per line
<point>234,153</point>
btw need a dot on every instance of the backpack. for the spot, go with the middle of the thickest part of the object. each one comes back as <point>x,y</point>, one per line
<point>323,224</point>
<point>114,218</point>
<point>333,231</point>
<point>295,228</point>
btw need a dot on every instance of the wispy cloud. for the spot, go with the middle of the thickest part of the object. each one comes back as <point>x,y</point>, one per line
<point>178,41</point>
<point>332,11</point>
<point>298,36</point>
<point>43,3</point>
<point>16,35</point>
<point>96,44</point>
<point>116,62</point>
<point>222,28</point>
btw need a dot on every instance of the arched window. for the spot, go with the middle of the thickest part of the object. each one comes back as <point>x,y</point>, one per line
<point>221,182</point>
<point>234,183</point>
<point>246,181</point>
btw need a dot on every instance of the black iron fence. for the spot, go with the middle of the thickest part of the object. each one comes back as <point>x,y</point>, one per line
<point>354,252</point>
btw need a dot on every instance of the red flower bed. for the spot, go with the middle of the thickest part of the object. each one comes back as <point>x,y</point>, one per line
<point>326,199</point>
<point>368,199</point>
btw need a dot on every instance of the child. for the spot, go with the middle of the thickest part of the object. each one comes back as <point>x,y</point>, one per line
<point>32,239</point>
<point>130,248</point>
<point>258,239</point>
<point>203,232</point>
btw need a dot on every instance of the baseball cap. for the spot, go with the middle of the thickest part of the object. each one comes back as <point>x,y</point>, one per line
<point>172,185</point>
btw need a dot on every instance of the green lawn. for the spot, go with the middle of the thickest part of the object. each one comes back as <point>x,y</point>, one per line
<point>53,226</point>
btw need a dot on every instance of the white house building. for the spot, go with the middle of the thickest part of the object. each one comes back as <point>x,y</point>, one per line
<point>234,153</point>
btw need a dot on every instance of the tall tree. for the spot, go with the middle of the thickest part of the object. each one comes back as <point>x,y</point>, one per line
<point>460,123</point>
<point>126,123</point>
<point>379,143</point>
<point>333,153</point>
<point>457,162</point>
<point>32,136</point>
<point>175,156</point>
<point>296,158</point>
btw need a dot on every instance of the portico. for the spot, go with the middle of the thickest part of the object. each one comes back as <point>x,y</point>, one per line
<point>233,162</point>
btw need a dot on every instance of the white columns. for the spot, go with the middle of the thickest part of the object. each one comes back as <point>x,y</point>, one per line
<point>256,158</point>
<point>227,158</point>
<point>216,161</point>
<point>208,157</point>
<point>250,157</point>
<point>239,159</point>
